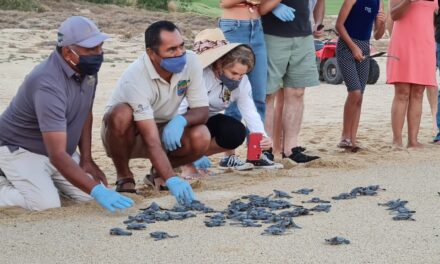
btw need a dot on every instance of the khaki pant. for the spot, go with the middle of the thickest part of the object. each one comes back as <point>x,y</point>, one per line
<point>32,182</point>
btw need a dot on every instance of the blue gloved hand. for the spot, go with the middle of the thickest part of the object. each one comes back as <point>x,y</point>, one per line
<point>181,190</point>
<point>202,163</point>
<point>109,199</point>
<point>284,13</point>
<point>172,133</point>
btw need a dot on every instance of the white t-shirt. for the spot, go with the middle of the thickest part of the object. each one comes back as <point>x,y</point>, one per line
<point>220,97</point>
<point>151,97</point>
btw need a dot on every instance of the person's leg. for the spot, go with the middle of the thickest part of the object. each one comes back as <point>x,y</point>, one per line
<point>398,111</point>
<point>278,123</point>
<point>357,106</point>
<point>68,189</point>
<point>119,129</point>
<point>292,117</point>
<point>352,110</point>
<point>414,114</point>
<point>432,94</point>
<point>27,182</point>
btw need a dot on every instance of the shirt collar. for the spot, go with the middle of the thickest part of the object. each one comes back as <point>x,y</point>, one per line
<point>150,67</point>
<point>66,68</point>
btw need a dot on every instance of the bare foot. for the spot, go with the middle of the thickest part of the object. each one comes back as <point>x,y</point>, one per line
<point>189,172</point>
<point>416,145</point>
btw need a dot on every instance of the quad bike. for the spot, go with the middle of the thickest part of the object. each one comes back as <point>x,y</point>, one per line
<point>327,65</point>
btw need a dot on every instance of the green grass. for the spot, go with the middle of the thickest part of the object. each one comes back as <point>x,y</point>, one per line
<point>206,7</point>
<point>23,5</point>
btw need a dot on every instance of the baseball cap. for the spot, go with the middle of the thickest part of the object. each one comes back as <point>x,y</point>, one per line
<point>81,31</point>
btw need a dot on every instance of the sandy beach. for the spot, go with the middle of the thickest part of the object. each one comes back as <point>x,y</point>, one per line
<point>79,233</point>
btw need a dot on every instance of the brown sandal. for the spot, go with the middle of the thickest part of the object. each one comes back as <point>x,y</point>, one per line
<point>123,181</point>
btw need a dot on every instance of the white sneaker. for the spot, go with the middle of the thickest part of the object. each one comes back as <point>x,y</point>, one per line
<point>266,162</point>
<point>234,162</point>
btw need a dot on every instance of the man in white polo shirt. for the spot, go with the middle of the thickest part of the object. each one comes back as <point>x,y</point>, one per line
<point>141,119</point>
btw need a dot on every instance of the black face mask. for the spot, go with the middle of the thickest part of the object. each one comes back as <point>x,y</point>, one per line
<point>89,64</point>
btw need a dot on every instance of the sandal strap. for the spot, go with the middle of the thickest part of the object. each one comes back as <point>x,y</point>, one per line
<point>125,180</point>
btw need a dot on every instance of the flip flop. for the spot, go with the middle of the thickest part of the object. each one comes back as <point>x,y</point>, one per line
<point>345,144</point>
<point>123,181</point>
<point>156,182</point>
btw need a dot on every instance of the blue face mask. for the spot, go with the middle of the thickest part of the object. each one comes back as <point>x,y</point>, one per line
<point>229,83</point>
<point>89,64</point>
<point>174,64</point>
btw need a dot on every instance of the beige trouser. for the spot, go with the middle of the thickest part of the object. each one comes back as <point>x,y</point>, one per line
<point>32,182</point>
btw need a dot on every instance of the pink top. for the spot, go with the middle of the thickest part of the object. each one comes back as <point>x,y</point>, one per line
<point>413,43</point>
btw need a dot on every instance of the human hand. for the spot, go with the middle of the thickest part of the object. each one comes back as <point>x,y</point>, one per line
<point>284,13</point>
<point>180,189</point>
<point>202,163</point>
<point>109,199</point>
<point>90,167</point>
<point>172,133</point>
<point>266,143</point>
<point>357,53</point>
<point>318,30</point>
<point>381,17</point>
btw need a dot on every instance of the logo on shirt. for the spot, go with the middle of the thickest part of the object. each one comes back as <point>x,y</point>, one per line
<point>141,108</point>
<point>368,9</point>
<point>182,86</point>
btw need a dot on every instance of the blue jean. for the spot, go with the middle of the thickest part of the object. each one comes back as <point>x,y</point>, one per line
<point>437,138</point>
<point>249,32</point>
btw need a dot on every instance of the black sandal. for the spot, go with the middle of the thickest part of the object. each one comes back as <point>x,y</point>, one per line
<point>123,181</point>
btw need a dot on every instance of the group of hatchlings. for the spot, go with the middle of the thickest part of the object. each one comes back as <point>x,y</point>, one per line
<point>254,210</point>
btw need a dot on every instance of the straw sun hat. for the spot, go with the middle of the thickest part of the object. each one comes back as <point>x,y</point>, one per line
<point>210,45</point>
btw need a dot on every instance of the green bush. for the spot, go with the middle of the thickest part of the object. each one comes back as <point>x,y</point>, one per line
<point>114,2</point>
<point>23,5</point>
<point>153,4</point>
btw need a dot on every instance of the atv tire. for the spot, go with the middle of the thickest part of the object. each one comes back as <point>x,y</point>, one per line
<point>331,72</point>
<point>374,73</point>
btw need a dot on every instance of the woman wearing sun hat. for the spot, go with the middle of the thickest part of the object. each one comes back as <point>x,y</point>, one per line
<point>225,67</point>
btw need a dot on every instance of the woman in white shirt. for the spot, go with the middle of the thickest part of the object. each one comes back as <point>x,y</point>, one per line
<point>225,68</point>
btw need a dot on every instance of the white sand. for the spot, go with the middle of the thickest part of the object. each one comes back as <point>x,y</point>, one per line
<point>79,233</point>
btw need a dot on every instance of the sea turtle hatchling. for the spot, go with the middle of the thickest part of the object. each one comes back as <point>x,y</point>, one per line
<point>305,191</point>
<point>403,216</point>
<point>344,196</point>
<point>247,223</point>
<point>281,194</point>
<point>159,235</point>
<point>316,200</point>
<point>116,231</point>
<point>136,226</point>
<point>214,222</point>
<point>337,241</point>
<point>274,230</point>
<point>322,208</point>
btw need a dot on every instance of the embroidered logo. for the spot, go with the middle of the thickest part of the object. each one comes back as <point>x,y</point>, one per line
<point>368,9</point>
<point>182,86</point>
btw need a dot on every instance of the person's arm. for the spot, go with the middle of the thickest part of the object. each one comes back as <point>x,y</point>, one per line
<point>85,148</point>
<point>342,17</point>
<point>319,12</point>
<point>150,135</point>
<point>268,6</point>
<point>379,23</point>
<point>230,3</point>
<point>399,8</point>
<point>55,143</point>
<point>247,108</point>
<point>197,116</point>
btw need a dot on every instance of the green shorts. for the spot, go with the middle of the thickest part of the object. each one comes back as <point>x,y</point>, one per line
<point>292,62</point>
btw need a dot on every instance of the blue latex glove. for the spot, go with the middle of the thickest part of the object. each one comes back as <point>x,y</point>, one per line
<point>109,199</point>
<point>284,13</point>
<point>181,190</point>
<point>202,163</point>
<point>172,133</point>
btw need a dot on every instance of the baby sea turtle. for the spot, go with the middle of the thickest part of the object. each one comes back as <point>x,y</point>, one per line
<point>278,204</point>
<point>403,209</point>
<point>337,241</point>
<point>281,194</point>
<point>136,226</point>
<point>214,222</point>
<point>159,235</point>
<point>316,200</point>
<point>274,230</point>
<point>248,223</point>
<point>404,216</point>
<point>287,223</point>
<point>305,191</point>
<point>394,203</point>
<point>116,231</point>
<point>154,207</point>
<point>181,216</point>
<point>322,208</point>
<point>344,196</point>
